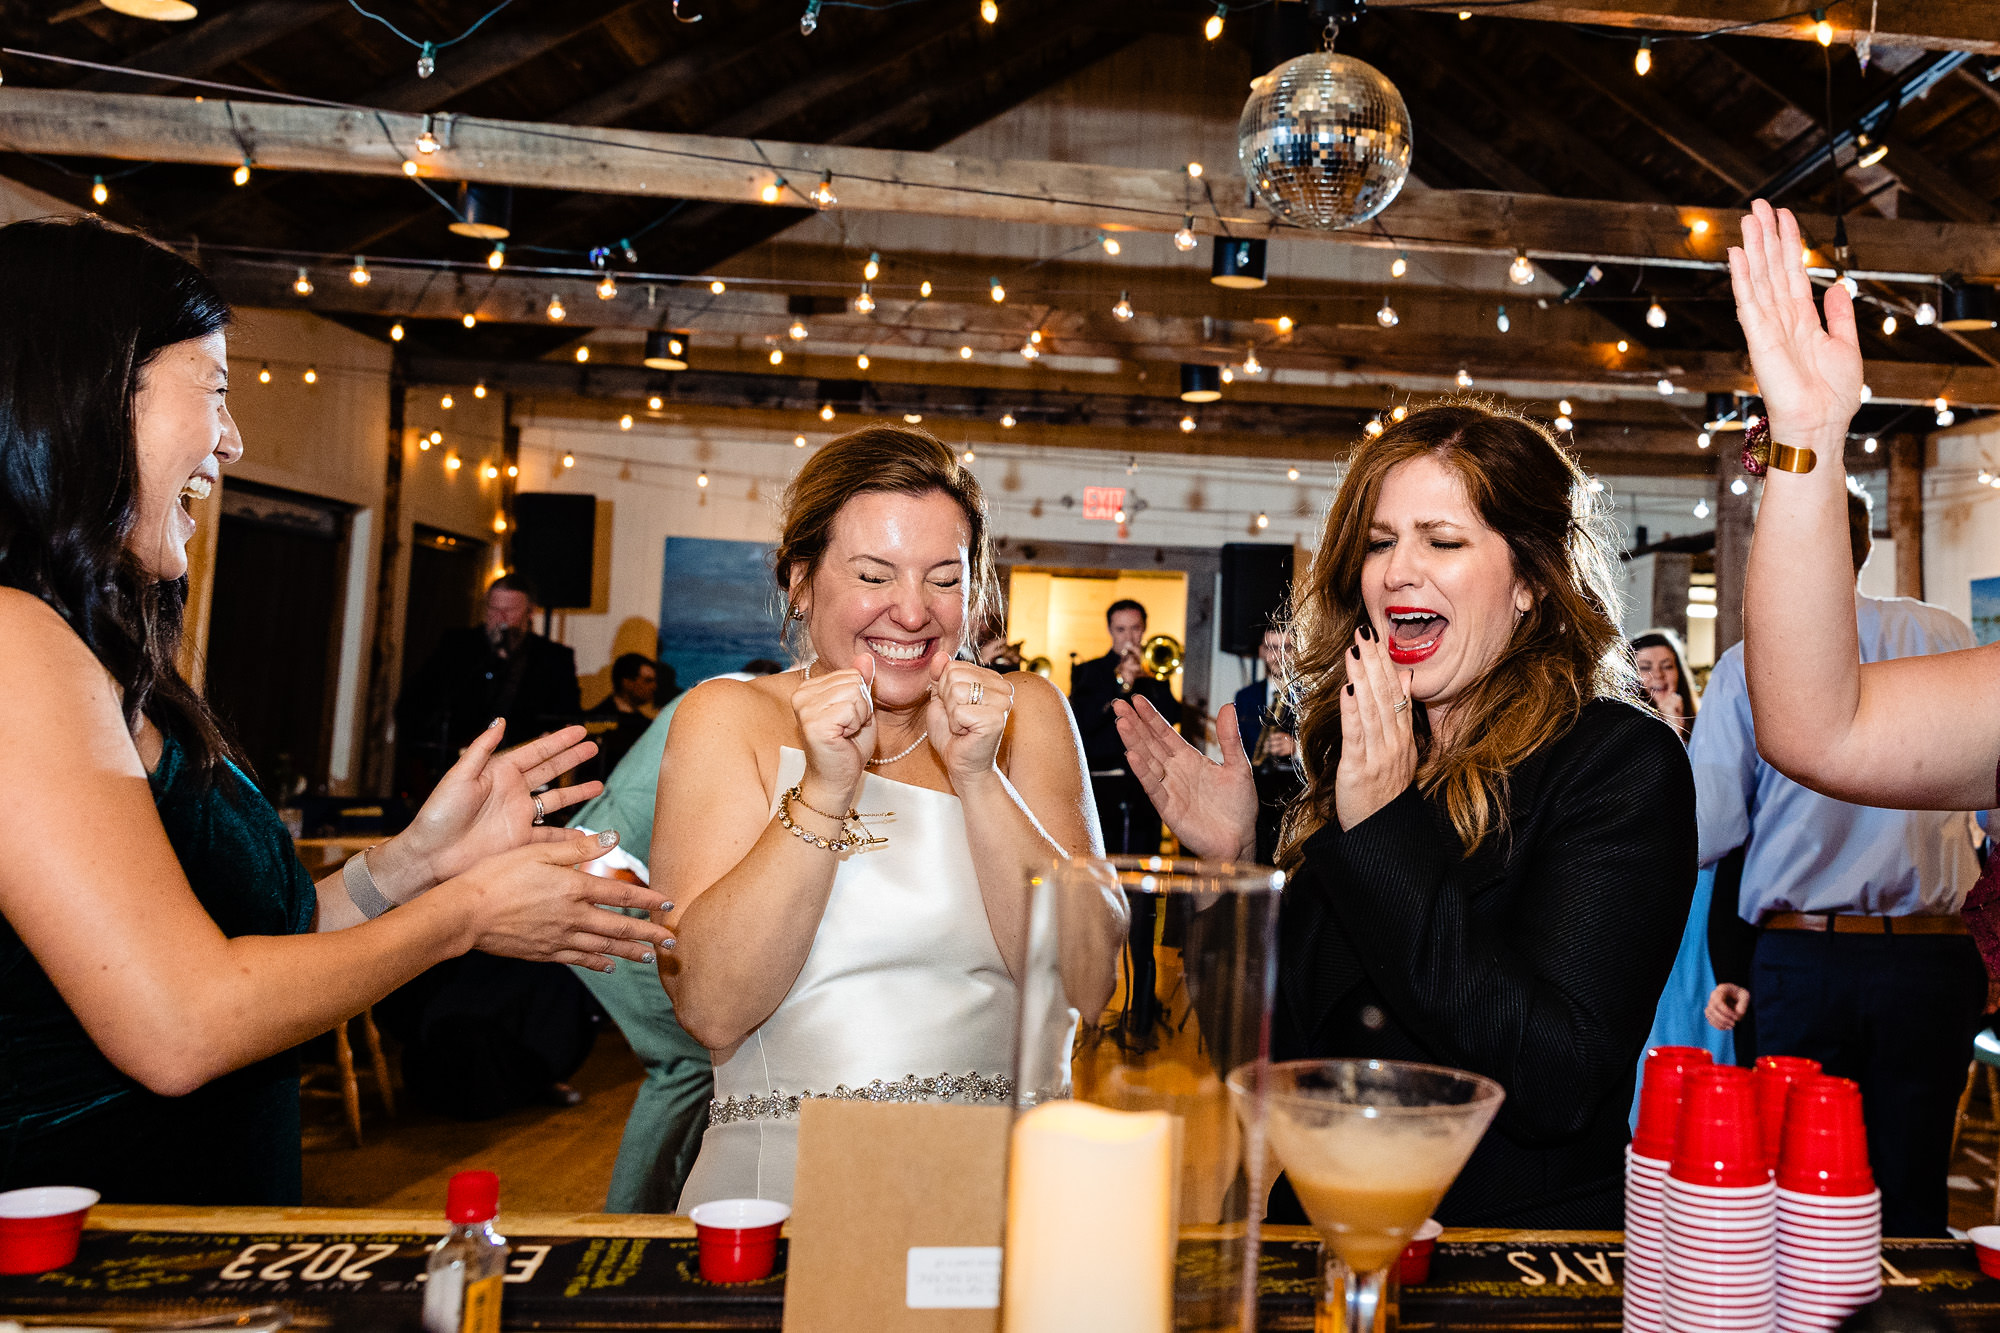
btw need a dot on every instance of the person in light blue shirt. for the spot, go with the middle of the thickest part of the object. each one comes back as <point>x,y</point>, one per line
<point>1862,963</point>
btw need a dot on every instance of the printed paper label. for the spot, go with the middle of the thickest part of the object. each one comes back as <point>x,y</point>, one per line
<point>954,1277</point>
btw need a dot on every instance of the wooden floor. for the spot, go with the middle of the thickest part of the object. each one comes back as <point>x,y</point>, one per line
<point>550,1159</point>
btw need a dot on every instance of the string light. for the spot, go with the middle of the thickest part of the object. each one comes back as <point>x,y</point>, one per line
<point>359,275</point>
<point>264,373</point>
<point>1194,170</point>
<point>1109,242</point>
<point>1868,446</point>
<point>582,355</point>
<point>777,357</point>
<point>446,403</point>
<point>809,20</point>
<point>1291,474</point>
<point>773,190</point>
<point>1029,351</point>
<point>718,287</point>
<point>913,418</point>
<point>1502,323</point>
<point>924,289</point>
<point>1564,407</point>
<point>479,389</point>
<point>311,376</point>
<point>1399,412</point>
<point>822,194</point>
<point>873,268</point>
<point>625,422</point>
<point>989,10</point>
<point>1666,388</point>
<point>409,167</point>
<point>453,463</point>
<point>1184,239</point>
<point>1739,487</point>
<point>1945,416</point>
<point>1263,521</point>
<point>1373,428</point>
<point>497,256</point>
<point>1464,378</point>
<point>499,522</point>
<point>798,332</point>
<point>427,140</point>
<point>968,456</point>
<point>1123,310</point>
<point>435,437</point>
<point>1285,326</point>
<point>569,460</point>
<point>1564,423</point>
<point>1623,347</point>
<point>303,284</point>
<point>864,302</point>
<point>1699,227</point>
<point>702,481</point>
<point>798,441</point>
<point>1187,425</point>
<point>1888,324</point>
<point>1642,61</point>
<point>993,289</point>
<point>965,354</point>
<point>242,173</point>
<point>1387,316</point>
<point>1007,420</point>
<point>556,312</point>
<point>607,288</point>
<point>826,412</point>
<point>424,445</point>
<point>861,361</point>
<point>1701,509</point>
<point>1213,28</point>
<point>1870,151</point>
<point>1522,271</point>
<point>1399,265</point>
<point>1228,375</point>
<point>1656,316</point>
<point>468,319</point>
<point>1703,440</point>
<point>1924,315</point>
<point>99,191</point>
<point>1822,30</point>
<point>490,472</point>
<point>655,403</point>
<point>513,471</point>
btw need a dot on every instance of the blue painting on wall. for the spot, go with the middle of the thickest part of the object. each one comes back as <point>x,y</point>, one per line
<point>718,607</point>
<point>1986,610</point>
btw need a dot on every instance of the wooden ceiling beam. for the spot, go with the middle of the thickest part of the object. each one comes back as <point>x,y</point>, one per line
<point>1937,25</point>
<point>497,51</point>
<point>933,184</point>
<point>214,43</point>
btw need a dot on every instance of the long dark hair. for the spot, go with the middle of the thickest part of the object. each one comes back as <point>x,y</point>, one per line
<point>88,306</point>
<point>1684,682</point>
<point>1566,651</point>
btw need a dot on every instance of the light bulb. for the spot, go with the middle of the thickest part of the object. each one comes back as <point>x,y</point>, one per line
<point>718,287</point>
<point>1123,310</point>
<point>826,412</point>
<point>822,194</point>
<point>1213,28</point>
<point>1853,287</point>
<point>625,422</point>
<point>1029,351</point>
<point>1701,509</point>
<point>1642,60</point>
<point>1522,271</point>
<point>1739,487</point>
<point>1596,486</point>
<point>1464,378</point>
<point>1564,407</point>
<point>424,445</point>
<point>1251,365</point>
<point>1946,417</point>
<point>569,460</point>
<point>798,331</point>
<point>497,256</point>
<point>311,376</point>
<point>873,268</point>
<point>242,173</point>
<point>1187,425</point>
<point>1563,423</point>
<point>1666,388</point>
<point>924,289</point>
<point>1007,420</point>
<point>582,355</point>
<point>777,357</point>
<point>965,354</point>
<point>1184,239</point>
<point>264,373</point>
<point>864,302</point>
<point>1501,322</point>
<point>409,167</point>
<point>607,288</point>
<point>1118,515</point>
<point>1194,170</point>
<point>556,312</point>
<point>1399,265</point>
<point>798,441</point>
<point>303,284</point>
<point>1868,446</point>
<point>1109,242</point>
<point>99,191</point>
<point>1822,30</point>
<point>989,10</point>
<point>1291,474</point>
<point>479,389</point>
<point>1656,316</point>
<point>1985,477</point>
<point>513,471</point>
<point>809,20</point>
<point>1623,347</point>
<point>1924,315</point>
<point>913,418</point>
<point>1703,440</point>
<point>490,472</point>
<point>1285,326</point>
<point>1387,316</point>
<point>1263,521</point>
<point>1398,412</point>
<point>1938,404</point>
<point>468,319</point>
<point>861,362</point>
<point>1374,427</point>
<point>446,402</point>
<point>453,463</point>
<point>359,275</point>
<point>1699,226</point>
<point>968,456</point>
<point>993,289</point>
<point>1228,375</point>
<point>655,403</point>
<point>772,190</point>
<point>1868,151</point>
<point>427,140</point>
<point>1888,323</point>
<point>701,480</point>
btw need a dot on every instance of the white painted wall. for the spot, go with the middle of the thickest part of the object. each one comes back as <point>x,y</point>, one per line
<point>1961,517</point>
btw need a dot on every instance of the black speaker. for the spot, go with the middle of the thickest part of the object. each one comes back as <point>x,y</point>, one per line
<point>1256,590</point>
<point>555,540</point>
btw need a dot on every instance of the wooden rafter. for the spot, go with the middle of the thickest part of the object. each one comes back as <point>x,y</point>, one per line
<point>1955,25</point>
<point>228,37</point>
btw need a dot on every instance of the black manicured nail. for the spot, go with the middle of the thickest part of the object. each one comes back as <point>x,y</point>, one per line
<point>1367,631</point>
<point>1350,689</point>
<point>1356,650</point>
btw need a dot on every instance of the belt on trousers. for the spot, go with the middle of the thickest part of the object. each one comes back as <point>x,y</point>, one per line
<point>1854,923</point>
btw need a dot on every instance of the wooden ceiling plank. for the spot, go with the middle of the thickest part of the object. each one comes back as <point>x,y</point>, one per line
<point>214,43</point>
<point>1936,25</point>
<point>493,53</point>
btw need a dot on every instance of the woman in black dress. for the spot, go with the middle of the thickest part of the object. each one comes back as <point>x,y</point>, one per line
<point>1493,857</point>
<point>161,949</point>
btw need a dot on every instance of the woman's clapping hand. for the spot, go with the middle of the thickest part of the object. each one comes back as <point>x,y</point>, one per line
<point>1809,374</point>
<point>1211,807</point>
<point>537,903</point>
<point>836,717</point>
<point>1378,745</point>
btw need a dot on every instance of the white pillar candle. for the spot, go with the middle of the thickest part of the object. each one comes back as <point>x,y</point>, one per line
<point>1090,1221</point>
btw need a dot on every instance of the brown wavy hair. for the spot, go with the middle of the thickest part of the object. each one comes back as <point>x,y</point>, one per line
<point>1565,650</point>
<point>895,459</point>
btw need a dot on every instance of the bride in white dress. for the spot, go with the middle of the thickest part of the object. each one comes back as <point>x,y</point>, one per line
<point>847,846</point>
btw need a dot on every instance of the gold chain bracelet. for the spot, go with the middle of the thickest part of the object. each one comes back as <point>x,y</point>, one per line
<point>852,835</point>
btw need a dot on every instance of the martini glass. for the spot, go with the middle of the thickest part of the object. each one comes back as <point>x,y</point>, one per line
<point>1370,1146</point>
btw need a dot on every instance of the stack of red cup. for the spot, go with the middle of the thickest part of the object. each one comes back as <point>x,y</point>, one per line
<point>1829,1211</point>
<point>1647,1158</point>
<point>1720,1212</point>
<point>1773,1078</point>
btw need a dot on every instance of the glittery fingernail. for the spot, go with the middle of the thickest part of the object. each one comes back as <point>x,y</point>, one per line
<point>668,945</point>
<point>607,839</point>
<point>648,957</point>
<point>666,907</point>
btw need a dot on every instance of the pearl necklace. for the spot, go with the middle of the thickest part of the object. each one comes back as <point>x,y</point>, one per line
<point>876,763</point>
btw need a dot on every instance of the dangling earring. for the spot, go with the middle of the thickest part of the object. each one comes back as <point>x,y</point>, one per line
<point>797,612</point>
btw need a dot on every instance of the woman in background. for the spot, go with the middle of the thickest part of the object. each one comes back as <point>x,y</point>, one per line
<point>1661,660</point>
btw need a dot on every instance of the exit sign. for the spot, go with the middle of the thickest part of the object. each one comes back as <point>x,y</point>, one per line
<point>1103,502</point>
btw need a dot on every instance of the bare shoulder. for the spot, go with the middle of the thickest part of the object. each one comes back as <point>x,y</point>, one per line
<point>1042,719</point>
<point>39,652</point>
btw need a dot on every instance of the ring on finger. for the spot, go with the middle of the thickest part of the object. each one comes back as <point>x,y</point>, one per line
<point>540,813</point>
<point>976,692</point>
<point>1401,704</point>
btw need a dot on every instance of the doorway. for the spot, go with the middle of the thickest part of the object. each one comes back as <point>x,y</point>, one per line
<point>272,638</point>
<point>1059,613</point>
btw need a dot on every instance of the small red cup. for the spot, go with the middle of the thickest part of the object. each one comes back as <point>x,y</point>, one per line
<point>1825,1146</point>
<point>738,1238</point>
<point>41,1227</point>
<point>1986,1248</point>
<point>1416,1261</point>
<point>1719,1143</point>
<point>1660,1092</point>
<point>1773,1078</point>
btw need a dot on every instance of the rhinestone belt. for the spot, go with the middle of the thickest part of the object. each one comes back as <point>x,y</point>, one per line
<point>909,1088</point>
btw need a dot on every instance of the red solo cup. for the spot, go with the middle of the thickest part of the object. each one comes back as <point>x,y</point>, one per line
<point>1719,1143</point>
<point>1773,1078</point>
<point>1660,1090</point>
<point>41,1227</point>
<point>1825,1148</point>
<point>738,1238</point>
<point>1986,1248</point>
<point>1416,1261</point>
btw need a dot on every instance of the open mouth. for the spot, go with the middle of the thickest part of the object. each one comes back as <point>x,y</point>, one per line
<point>1414,633</point>
<point>195,488</point>
<point>895,652</point>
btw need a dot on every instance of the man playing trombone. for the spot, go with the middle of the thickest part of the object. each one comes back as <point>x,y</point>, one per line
<point>1129,821</point>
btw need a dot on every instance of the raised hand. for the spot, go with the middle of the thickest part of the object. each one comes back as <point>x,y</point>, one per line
<point>484,806</point>
<point>1809,374</point>
<point>966,731</point>
<point>836,717</point>
<point>537,903</point>
<point>1378,747</point>
<point>1211,807</point>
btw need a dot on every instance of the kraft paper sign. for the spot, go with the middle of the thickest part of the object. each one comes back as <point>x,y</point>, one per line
<point>897,1215</point>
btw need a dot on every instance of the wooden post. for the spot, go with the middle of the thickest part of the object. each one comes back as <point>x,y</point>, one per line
<point>1906,512</point>
<point>1733,518</point>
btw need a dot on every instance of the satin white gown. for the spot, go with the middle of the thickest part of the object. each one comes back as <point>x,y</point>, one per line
<point>904,981</point>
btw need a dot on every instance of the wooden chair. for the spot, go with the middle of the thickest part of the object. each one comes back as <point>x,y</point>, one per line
<point>1985,1055</point>
<point>349,1090</point>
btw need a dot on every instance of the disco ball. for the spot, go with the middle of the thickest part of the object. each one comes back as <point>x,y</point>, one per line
<point>1324,141</point>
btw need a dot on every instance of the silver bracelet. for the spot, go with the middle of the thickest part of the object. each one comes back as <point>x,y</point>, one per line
<point>361,890</point>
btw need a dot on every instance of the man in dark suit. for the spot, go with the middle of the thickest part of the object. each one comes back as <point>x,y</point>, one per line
<point>500,668</point>
<point>1129,821</point>
<point>1261,715</point>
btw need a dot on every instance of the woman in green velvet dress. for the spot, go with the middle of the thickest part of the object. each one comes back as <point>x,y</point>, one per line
<point>161,949</point>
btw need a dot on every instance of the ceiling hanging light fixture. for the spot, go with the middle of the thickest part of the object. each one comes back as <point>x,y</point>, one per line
<point>1387,316</point>
<point>1968,308</point>
<point>162,11</point>
<point>665,350</point>
<point>864,302</point>
<point>1123,311</point>
<point>1656,315</point>
<point>1237,264</point>
<point>1185,239</point>
<point>1869,151</point>
<point>1251,365</point>
<point>1324,141</point>
<point>1521,271</point>
<point>485,212</point>
<point>1924,315</point>
<point>1200,384</point>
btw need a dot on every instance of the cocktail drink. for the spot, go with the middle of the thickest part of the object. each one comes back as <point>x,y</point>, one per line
<point>1370,1147</point>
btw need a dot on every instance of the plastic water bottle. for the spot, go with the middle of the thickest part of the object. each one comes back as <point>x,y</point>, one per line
<point>462,1285</point>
